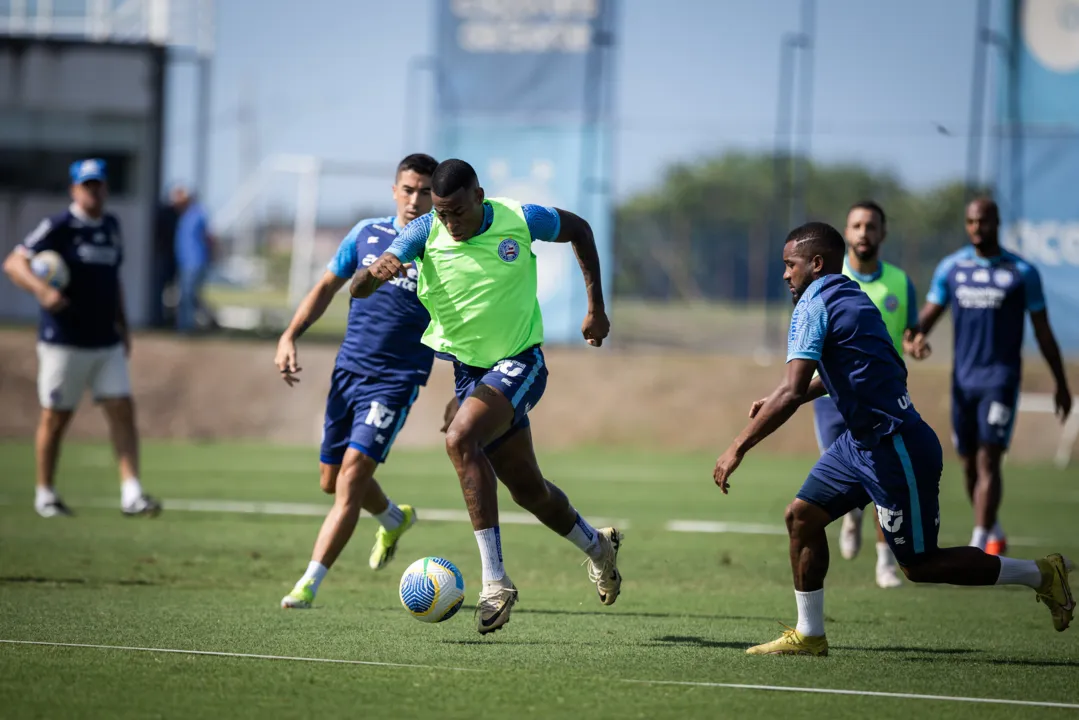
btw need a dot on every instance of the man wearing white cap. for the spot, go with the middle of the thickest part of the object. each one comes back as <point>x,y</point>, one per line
<point>83,339</point>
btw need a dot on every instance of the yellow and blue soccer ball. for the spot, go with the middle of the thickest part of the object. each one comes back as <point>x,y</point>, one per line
<point>432,589</point>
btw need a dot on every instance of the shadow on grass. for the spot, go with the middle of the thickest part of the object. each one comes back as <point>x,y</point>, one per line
<point>705,643</point>
<point>38,580</point>
<point>657,615</point>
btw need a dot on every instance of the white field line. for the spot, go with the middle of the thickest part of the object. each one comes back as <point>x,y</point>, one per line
<point>317,510</point>
<point>725,686</point>
<point>737,528</point>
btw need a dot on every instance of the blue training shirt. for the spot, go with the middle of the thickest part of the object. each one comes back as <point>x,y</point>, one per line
<point>837,325</point>
<point>989,298</point>
<point>384,330</point>
<point>543,223</point>
<point>93,251</point>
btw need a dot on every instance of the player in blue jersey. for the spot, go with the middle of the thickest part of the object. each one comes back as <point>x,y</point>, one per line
<point>888,454</point>
<point>990,292</point>
<point>892,291</point>
<point>83,338</point>
<point>377,375</point>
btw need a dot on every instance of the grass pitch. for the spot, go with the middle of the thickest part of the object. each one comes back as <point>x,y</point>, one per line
<point>211,580</point>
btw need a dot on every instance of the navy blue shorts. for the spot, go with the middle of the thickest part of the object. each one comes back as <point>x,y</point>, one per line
<point>827,422</point>
<point>985,416</point>
<point>901,476</point>
<point>521,378</point>
<point>365,413</point>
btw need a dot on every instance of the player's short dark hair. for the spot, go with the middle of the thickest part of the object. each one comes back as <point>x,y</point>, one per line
<point>817,238</point>
<point>989,203</point>
<point>870,206</point>
<point>418,163</point>
<point>452,175</point>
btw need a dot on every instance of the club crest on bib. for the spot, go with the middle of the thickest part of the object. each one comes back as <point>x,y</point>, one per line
<point>508,250</point>
<point>891,303</point>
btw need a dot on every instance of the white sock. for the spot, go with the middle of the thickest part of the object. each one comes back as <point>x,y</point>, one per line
<point>315,572</point>
<point>979,537</point>
<point>130,491</point>
<point>1019,572</point>
<point>490,542</point>
<point>585,537</point>
<point>885,558</point>
<point>391,518</point>
<point>810,612</point>
<point>997,533</point>
<point>43,496</point>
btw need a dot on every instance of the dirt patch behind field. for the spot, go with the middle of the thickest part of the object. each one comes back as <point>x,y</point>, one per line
<point>226,389</point>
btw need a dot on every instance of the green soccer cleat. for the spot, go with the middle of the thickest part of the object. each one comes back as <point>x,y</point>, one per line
<point>386,540</point>
<point>300,598</point>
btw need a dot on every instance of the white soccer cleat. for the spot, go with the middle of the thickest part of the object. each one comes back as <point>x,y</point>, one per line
<point>496,601</point>
<point>53,508</point>
<point>604,572</point>
<point>888,577</point>
<point>850,535</point>
<point>142,505</point>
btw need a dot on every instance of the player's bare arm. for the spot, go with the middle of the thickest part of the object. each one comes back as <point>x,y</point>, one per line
<point>17,267</point>
<point>1047,343</point>
<point>777,408</point>
<point>311,308</point>
<point>816,390</point>
<point>371,278</point>
<point>121,319</point>
<point>927,320</point>
<point>576,231</point>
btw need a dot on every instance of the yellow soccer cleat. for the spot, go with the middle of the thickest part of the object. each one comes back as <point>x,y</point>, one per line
<point>793,642</point>
<point>1055,591</point>
<point>386,540</point>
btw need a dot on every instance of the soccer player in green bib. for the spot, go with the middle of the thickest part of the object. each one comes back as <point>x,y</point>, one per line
<point>477,278</point>
<point>892,291</point>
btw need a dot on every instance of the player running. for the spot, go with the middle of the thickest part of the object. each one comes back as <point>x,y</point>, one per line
<point>83,338</point>
<point>478,280</point>
<point>892,291</point>
<point>377,375</point>
<point>990,290</point>
<point>888,454</point>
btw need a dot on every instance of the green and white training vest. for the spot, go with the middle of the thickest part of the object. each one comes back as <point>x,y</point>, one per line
<point>481,293</point>
<point>889,293</point>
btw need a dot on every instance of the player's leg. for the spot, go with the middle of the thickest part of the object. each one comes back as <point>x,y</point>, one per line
<point>514,460</point>
<point>997,418</point>
<point>887,569</point>
<point>483,416</point>
<point>61,381</point>
<point>904,482</point>
<point>358,433</point>
<point>830,492</point>
<point>829,425</point>
<point>965,422</point>
<point>353,474</point>
<point>111,385</point>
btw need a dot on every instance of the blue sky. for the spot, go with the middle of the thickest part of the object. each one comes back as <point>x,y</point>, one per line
<point>693,78</point>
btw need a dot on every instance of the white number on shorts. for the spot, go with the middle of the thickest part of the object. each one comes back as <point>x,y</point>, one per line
<point>510,368</point>
<point>999,414</point>
<point>379,416</point>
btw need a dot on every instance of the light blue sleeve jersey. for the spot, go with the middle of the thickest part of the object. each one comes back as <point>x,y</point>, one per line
<point>809,326</point>
<point>346,261</point>
<point>544,223</point>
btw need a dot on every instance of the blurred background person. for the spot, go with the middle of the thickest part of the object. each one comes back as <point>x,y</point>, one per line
<point>194,253</point>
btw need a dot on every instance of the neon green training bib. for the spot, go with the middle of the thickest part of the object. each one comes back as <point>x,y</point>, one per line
<point>889,293</point>
<point>481,293</point>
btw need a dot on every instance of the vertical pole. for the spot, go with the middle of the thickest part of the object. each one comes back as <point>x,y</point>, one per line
<point>202,125</point>
<point>303,240</point>
<point>977,101</point>
<point>805,113</point>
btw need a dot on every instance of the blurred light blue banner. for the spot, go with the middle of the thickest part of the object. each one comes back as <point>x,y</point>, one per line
<point>1038,183</point>
<point>522,90</point>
